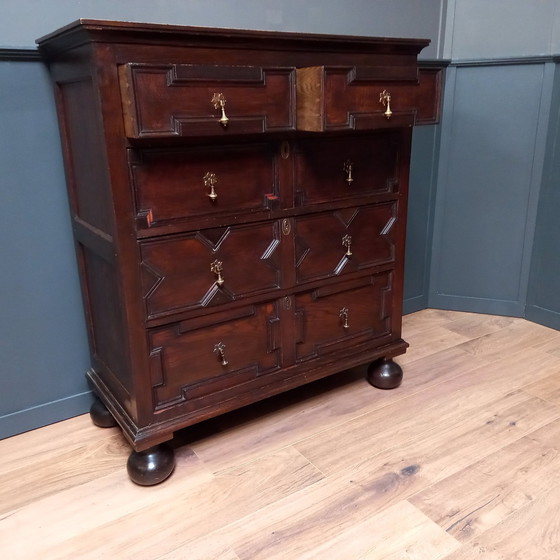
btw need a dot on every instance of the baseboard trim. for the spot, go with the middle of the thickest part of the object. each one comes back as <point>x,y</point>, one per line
<point>543,316</point>
<point>506,308</point>
<point>44,414</point>
<point>414,304</point>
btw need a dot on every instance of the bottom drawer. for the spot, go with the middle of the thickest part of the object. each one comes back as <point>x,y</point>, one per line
<point>210,361</point>
<point>207,356</point>
<point>340,316</point>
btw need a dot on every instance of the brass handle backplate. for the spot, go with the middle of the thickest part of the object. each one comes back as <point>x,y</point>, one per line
<point>219,102</point>
<point>348,171</point>
<point>210,181</point>
<point>344,317</point>
<point>385,100</point>
<point>217,267</point>
<point>219,350</point>
<point>347,242</point>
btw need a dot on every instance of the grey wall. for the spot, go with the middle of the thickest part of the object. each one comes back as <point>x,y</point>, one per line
<point>422,196</point>
<point>22,22</point>
<point>495,132</point>
<point>543,300</point>
<point>42,334</point>
<point>493,141</point>
<point>483,30</point>
<point>43,347</point>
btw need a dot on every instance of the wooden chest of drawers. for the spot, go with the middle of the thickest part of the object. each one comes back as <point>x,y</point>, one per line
<point>239,207</point>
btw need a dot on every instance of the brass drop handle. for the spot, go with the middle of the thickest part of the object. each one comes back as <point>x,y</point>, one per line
<point>210,181</point>
<point>347,242</point>
<point>348,171</point>
<point>385,100</point>
<point>217,267</point>
<point>344,317</point>
<point>219,350</point>
<point>219,102</point>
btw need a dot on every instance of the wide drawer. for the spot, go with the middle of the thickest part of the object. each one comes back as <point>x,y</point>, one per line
<point>200,360</point>
<point>209,267</point>
<point>344,168</point>
<point>347,240</point>
<point>354,98</point>
<point>177,184</point>
<point>340,316</point>
<point>181,100</point>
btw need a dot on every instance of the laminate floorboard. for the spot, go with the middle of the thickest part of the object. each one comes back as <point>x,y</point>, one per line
<point>460,462</point>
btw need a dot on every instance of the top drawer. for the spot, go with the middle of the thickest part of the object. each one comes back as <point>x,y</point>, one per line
<point>181,100</point>
<point>362,98</point>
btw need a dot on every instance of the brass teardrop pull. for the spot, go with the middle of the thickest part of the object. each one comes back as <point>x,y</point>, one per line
<point>347,242</point>
<point>344,317</point>
<point>385,100</point>
<point>217,267</point>
<point>219,350</point>
<point>219,102</point>
<point>348,171</point>
<point>285,150</point>
<point>210,181</point>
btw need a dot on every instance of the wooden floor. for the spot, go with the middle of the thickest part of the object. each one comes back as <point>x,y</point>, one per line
<point>462,461</point>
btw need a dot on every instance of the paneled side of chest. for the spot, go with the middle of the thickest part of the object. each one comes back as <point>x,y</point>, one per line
<point>239,208</point>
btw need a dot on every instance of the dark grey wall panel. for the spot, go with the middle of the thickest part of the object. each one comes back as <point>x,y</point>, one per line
<point>423,182</point>
<point>483,29</point>
<point>487,188</point>
<point>495,132</point>
<point>42,335</point>
<point>543,301</point>
<point>421,18</point>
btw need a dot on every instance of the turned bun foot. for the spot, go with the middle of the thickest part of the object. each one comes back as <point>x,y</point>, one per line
<point>100,416</point>
<point>151,466</point>
<point>384,374</point>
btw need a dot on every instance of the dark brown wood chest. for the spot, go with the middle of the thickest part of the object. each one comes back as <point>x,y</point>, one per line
<point>239,206</point>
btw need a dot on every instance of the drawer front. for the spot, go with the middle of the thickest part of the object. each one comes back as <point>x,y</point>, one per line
<point>354,98</point>
<point>181,100</point>
<point>197,361</point>
<point>337,317</point>
<point>333,243</point>
<point>345,168</point>
<point>174,185</point>
<point>209,267</point>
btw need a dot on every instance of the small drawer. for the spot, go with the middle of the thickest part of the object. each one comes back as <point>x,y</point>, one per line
<point>345,168</point>
<point>197,363</point>
<point>182,100</point>
<point>347,240</point>
<point>209,267</point>
<point>355,98</point>
<point>177,184</point>
<point>338,317</point>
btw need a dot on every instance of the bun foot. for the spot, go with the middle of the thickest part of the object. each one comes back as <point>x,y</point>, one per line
<point>151,466</point>
<point>100,416</point>
<point>384,374</point>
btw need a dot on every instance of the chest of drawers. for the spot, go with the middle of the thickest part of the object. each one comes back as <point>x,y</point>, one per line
<point>239,205</point>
